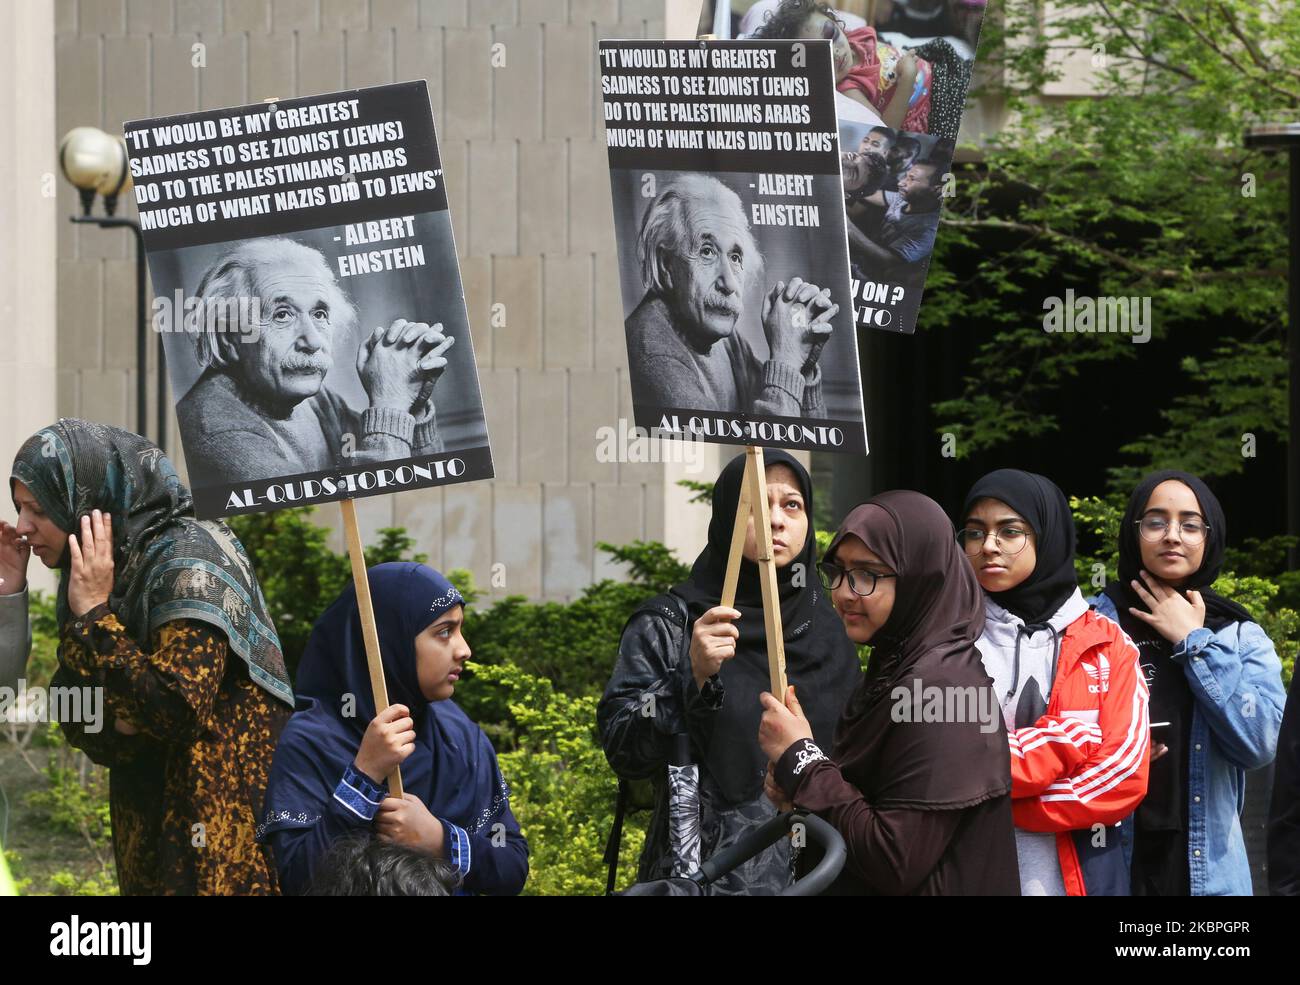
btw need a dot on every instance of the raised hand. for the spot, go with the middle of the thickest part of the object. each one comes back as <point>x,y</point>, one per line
<point>713,642</point>
<point>91,581</point>
<point>1170,615</point>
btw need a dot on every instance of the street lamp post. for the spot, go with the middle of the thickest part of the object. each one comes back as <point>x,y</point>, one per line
<point>96,163</point>
<point>1286,137</point>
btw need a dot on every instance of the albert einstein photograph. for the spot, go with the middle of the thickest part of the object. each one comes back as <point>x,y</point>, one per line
<point>737,307</point>
<point>318,351</point>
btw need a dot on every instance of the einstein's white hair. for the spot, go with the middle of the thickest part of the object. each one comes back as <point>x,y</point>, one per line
<point>666,225</point>
<point>225,314</point>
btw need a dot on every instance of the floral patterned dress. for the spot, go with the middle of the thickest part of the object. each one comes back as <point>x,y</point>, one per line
<point>186,790</point>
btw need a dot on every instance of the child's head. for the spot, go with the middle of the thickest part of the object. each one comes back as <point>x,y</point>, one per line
<point>441,654</point>
<point>861,584</point>
<point>419,615</point>
<point>814,21</point>
<point>366,866</point>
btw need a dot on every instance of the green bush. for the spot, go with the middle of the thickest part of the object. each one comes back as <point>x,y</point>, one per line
<point>66,803</point>
<point>562,789</point>
<point>571,645</point>
<point>298,572</point>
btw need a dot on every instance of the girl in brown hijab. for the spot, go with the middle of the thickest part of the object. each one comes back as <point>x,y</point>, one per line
<point>918,779</point>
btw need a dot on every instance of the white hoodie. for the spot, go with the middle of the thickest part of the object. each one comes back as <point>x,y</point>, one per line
<point>1027,687</point>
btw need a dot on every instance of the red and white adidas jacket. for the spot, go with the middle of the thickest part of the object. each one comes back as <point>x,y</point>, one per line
<point>1084,761</point>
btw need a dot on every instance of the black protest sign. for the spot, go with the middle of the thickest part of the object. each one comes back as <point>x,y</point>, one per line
<point>733,258</point>
<point>307,286</point>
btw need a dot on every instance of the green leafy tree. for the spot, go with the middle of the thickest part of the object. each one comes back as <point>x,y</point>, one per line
<point>1143,192</point>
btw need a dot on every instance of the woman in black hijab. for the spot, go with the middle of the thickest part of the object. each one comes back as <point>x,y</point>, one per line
<point>1215,678</point>
<point>922,799</point>
<point>689,673</point>
<point>1068,685</point>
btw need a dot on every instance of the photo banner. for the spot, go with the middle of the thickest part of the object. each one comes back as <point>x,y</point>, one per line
<point>901,88</point>
<point>309,296</point>
<point>733,255</point>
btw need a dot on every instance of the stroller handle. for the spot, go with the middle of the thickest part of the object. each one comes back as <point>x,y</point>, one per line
<point>766,835</point>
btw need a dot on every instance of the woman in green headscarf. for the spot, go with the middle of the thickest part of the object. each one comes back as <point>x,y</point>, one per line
<point>163,612</point>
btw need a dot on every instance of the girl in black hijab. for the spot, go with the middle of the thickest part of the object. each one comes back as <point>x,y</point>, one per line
<point>1215,679</point>
<point>917,781</point>
<point>689,673</point>
<point>1068,684</point>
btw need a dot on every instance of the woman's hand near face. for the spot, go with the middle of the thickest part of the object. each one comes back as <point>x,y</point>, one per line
<point>14,555</point>
<point>1170,615</point>
<point>389,739</point>
<point>91,581</point>
<point>781,725</point>
<point>713,642</point>
<point>408,822</point>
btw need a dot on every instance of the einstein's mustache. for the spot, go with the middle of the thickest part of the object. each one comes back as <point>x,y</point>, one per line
<point>320,366</point>
<point>718,305</point>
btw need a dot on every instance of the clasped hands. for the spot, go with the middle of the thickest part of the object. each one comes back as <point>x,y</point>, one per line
<point>399,365</point>
<point>797,323</point>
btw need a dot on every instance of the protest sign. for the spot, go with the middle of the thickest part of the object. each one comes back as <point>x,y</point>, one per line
<point>729,218</point>
<point>307,286</point>
<point>306,281</point>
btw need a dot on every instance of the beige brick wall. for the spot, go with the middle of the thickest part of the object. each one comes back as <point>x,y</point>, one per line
<point>527,182</point>
<point>529,194</point>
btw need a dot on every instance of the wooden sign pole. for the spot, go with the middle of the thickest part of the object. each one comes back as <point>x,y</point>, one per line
<point>369,633</point>
<point>753,504</point>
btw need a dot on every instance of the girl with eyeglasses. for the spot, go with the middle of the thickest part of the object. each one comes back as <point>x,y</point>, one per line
<point>1215,679</point>
<point>920,796</point>
<point>1069,686</point>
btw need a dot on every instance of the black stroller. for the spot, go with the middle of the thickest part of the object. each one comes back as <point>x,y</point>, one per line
<point>691,876</point>
<point>819,833</point>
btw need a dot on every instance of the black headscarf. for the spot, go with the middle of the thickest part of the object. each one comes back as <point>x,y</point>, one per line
<point>1160,850</point>
<point>929,637</point>
<point>1045,508</point>
<point>821,661</point>
<point>1219,611</point>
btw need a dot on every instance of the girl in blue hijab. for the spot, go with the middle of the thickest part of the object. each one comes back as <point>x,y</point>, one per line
<point>328,776</point>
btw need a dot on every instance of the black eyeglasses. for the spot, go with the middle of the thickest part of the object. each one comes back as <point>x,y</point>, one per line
<point>830,30</point>
<point>1153,529</point>
<point>859,578</point>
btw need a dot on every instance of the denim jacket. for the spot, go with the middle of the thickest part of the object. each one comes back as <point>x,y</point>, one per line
<point>1236,681</point>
